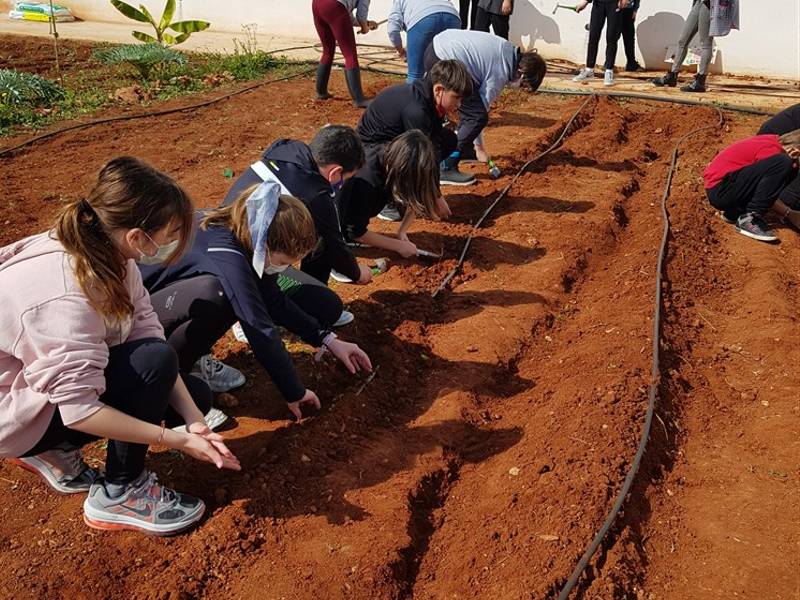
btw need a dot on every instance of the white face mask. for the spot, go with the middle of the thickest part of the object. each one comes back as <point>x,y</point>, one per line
<point>270,269</point>
<point>161,255</point>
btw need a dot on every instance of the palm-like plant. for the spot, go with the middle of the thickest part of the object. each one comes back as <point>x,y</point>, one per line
<point>144,57</point>
<point>19,88</point>
<point>183,29</point>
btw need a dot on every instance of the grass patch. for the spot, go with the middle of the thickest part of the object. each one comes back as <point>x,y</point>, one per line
<point>90,86</point>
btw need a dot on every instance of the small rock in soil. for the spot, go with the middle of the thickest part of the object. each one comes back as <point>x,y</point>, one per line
<point>513,471</point>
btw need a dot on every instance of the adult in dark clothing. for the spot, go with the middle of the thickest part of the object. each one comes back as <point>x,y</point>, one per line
<point>628,28</point>
<point>233,272</point>
<point>782,123</point>
<point>496,13</point>
<point>467,10</point>
<point>314,173</point>
<point>606,13</point>
<point>421,105</point>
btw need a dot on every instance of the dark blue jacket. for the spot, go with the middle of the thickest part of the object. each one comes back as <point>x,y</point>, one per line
<point>292,163</point>
<point>255,301</point>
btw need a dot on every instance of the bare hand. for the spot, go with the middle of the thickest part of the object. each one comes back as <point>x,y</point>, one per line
<point>443,209</point>
<point>622,4</point>
<point>506,8</point>
<point>351,356</point>
<point>309,399</point>
<point>364,26</point>
<point>366,274</point>
<point>208,447</point>
<point>581,6</point>
<point>401,52</point>
<point>407,249</point>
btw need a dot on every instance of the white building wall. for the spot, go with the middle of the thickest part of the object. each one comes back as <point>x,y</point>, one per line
<point>768,44</point>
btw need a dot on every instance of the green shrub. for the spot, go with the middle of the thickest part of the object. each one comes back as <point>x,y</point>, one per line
<point>18,88</point>
<point>145,58</point>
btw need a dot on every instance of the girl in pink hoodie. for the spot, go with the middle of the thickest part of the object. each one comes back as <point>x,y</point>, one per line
<point>83,356</point>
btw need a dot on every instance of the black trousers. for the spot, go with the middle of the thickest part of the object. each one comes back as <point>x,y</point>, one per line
<point>196,313</point>
<point>140,376</point>
<point>467,11</point>
<point>499,23</point>
<point>790,195</point>
<point>628,27</point>
<point>472,114</point>
<point>604,12</point>
<point>753,188</point>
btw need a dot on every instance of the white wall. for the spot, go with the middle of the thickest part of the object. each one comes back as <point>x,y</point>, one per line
<point>769,43</point>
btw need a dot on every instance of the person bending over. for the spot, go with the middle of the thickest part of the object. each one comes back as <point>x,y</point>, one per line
<point>314,174</point>
<point>492,63</point>
<point>239,269</point>
<point>405,173</point>
<point>745,179</point>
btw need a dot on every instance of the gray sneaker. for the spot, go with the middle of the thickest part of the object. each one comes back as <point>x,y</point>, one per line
<point>455,177</point>
<point>753,226</point>
<point>390,213</point>
<point>219,376</point>
<point>62,468</point>
<point>144,506</point>
<point>213,418</point>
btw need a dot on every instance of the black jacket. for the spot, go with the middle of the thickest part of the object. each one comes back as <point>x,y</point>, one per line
<point>784,122</point>
<point>398,109</point>
<point>255,301</point>
<point>292,163</point>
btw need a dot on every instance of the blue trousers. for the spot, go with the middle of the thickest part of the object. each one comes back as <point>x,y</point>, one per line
<point>421,35</point>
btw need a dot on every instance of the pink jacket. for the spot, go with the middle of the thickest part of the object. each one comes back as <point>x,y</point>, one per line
<point>53,344</point>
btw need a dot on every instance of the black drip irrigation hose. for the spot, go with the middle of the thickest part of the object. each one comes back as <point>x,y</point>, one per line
<point>142,115</point>
<point>503,193</point>
<point>654,374</point>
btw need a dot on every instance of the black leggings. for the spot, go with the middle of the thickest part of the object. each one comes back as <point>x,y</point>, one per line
<point>753,188</point>
<point>196,313</point>
<point>472,115</point>
<point>628,29</point>
<point>140,376</point>
<point>604,12</point>
<point>467,10</point>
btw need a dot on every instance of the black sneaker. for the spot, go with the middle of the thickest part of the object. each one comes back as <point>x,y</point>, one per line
<point>729,216</point>
<point>634,68</point>
<point>455,177</point>
<point>753,226</point>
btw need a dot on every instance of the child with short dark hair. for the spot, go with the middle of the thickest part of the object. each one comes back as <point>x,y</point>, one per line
<point>745,179</point>
<point>423,105</point>
<point>492,63</point>
<point>406,173</point>
<point>314,173</point>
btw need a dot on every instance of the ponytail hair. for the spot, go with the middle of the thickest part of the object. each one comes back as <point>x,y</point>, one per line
<point>412,173</point>
<point>128,194</point>
<point>291,232</point>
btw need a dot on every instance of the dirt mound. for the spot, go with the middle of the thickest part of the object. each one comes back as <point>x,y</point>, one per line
<point>481,459</point>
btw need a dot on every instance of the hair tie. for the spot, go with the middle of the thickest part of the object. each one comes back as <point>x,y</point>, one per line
<point>261,206</point>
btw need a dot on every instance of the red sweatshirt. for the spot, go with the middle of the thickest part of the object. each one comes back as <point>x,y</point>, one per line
<point>739,155</point>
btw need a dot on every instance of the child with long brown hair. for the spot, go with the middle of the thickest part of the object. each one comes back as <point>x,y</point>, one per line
<point>404,173</point>
<point>239,268</point>
<point>83,356</point>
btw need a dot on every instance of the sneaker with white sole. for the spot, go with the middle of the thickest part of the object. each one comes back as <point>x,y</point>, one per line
<point>219,376</point>
<point>145,505</point>
<point>213,418</point>
<point>453,176</point>
<point>754,226</point>
<point>344,319</point>
<point>608,79</point>
<point>390,213</point>
<point>62,468</point>
<point>340,278</point>
<point>583,75</point>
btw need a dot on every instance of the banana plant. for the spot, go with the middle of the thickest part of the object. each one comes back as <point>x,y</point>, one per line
<point>183,29</point>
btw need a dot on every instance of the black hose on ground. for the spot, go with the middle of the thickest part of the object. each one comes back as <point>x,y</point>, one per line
<point>502,195</point>
<point>654,374</point>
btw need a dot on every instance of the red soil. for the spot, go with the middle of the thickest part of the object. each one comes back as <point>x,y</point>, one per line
<point>486,452</point>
